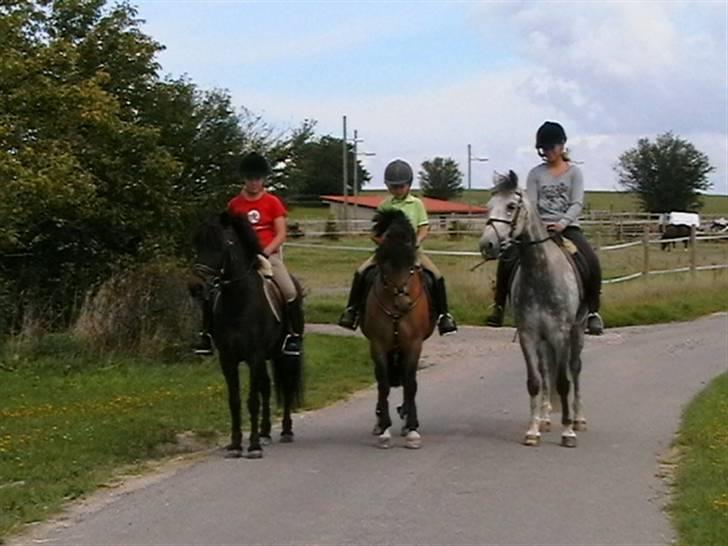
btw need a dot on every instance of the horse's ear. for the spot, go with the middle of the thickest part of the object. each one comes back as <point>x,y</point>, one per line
<point>225,219</point>
<point>505,182</point>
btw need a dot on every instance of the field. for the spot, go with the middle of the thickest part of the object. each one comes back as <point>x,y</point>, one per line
<point>700,507</point>
<point>70,419</point>
<point>595,200</point>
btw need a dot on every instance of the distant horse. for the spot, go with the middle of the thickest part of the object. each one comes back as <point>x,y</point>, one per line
<point>396,320</point>
<point>547,305</point>
<point>245,328</point>
<point>674,231</point>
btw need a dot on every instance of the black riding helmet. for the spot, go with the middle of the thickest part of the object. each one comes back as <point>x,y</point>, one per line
<point>398,173</point>
<point>254,165</point>
<point>549,135</point>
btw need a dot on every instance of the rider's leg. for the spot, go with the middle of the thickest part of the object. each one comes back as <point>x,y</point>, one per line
<point>350,317</point>
<point>294,307</point>
<point>593,284</point>
<point>445,321</point>
<point>504,271</point>
<point>200,292</point>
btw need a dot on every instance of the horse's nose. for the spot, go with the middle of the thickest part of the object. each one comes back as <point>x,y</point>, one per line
<point>487,248</point>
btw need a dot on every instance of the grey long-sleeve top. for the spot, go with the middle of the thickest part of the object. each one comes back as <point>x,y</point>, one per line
<point>559,199</point>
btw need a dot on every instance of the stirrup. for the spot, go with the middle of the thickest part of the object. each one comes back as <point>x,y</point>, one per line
<point>292,338</point>
<point>452,327</point>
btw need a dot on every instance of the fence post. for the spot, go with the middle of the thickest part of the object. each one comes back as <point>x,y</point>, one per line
<point>645,250</point>
<point>693,249</point>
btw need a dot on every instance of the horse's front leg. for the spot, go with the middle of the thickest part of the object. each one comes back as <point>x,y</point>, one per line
<point>265,423</point>
<point>257,369</point>
<point>529,346</point>
<point>384,421</point>
<point>232,379</point>
<point>410,361</point>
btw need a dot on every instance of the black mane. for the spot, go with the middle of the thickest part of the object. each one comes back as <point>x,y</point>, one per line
<point>245,232</point>
<point>399,247</point>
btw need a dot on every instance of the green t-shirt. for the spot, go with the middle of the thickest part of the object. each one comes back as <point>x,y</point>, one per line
<point>412,207</point>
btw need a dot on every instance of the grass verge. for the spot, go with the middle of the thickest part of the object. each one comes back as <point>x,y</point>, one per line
<point>68,420</point>
<point>700,506</point>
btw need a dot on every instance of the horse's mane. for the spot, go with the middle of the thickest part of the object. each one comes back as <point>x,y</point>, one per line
<point>398,248</point>
<point>245,233</point>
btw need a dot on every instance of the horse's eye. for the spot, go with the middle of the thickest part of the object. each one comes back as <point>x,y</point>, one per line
<point>511,207</point>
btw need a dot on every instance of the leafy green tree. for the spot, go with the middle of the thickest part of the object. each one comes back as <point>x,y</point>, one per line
<point>440,178</point>
<point>667,174</point>
<point>316,168</point>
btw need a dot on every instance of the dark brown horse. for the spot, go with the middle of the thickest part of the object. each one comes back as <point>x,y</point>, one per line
<point>674,231</point>
<point>245,330</point>
<point>397,320</point>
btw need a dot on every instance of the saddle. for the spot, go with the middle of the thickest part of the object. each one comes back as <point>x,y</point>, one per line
<point>273,294</point>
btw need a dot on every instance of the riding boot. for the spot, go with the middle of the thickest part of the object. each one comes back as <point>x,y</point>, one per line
<point>350,317</point>
<point>445,321</point>
<point>293,344</point>
<point>203,347</point>
<point>503,274</point>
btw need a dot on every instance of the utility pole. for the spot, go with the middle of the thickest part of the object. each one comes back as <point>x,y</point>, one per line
<point>346,187</point>
<point>357,153</point>
<point>470,161</point>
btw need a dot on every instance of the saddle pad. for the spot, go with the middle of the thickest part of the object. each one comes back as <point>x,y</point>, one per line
<point>569,246</point>
<point>273,295</point>
<point>265,268</point>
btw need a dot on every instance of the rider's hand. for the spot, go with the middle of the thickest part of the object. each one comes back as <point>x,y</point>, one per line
<point>556,228</point>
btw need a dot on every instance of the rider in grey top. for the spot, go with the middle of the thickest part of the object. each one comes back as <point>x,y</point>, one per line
<point>557,188</point>
<point>559,198</point>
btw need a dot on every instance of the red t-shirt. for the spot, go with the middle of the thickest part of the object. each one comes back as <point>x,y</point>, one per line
<point>260,213</point>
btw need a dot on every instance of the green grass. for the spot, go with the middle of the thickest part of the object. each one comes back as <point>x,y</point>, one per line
<point>700,507</point>
<point>327,275</point>
<point>68,420</point>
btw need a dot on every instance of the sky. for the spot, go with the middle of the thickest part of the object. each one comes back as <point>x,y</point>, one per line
<point>424,79</point>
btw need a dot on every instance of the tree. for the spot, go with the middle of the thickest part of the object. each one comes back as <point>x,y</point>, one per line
<point>441,178</point>
<point>667,174</point>
<point>316,168</point>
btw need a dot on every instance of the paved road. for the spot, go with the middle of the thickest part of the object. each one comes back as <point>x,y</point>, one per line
<point>471,483</point>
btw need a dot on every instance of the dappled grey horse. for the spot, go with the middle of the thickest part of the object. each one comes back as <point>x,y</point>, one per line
<point>547,305</point>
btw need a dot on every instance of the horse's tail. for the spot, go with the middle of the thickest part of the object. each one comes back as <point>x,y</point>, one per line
<point>288,379</point>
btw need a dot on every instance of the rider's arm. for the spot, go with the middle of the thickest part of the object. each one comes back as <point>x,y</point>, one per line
<point>279,226</point>
<point>576,198</point>
<point>422,232</point>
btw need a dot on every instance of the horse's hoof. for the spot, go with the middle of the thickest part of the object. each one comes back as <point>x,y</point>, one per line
<point>532,440</point>
<point>580,426</point>
<point>545,426</point>
<point>568,440</point>
<point>286,437</point>
<point>233,453</point>
<point>403,431</point>
<point>255,453</point>
<point>384,441</point>
<point>377,430</point>
<point>266,440</point>
<point>413,440</point>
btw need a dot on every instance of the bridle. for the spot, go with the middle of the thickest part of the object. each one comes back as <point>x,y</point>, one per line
<point>506,243</point>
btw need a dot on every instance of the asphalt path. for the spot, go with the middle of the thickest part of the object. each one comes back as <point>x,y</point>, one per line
<point>472,482</point>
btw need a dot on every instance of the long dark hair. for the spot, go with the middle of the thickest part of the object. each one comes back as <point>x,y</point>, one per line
<point>399,246</point>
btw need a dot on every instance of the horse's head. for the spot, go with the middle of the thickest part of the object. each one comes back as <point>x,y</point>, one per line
<point>225,246</point>
<point>397,254</point>
<point>507,216</point>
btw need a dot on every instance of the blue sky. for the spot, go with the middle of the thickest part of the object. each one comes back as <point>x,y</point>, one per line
<point>419,79</point>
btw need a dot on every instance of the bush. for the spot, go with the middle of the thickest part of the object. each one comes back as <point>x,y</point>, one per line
<point>146,311</point>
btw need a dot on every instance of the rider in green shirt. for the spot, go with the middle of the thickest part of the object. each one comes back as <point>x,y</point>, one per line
<point>398,178</point>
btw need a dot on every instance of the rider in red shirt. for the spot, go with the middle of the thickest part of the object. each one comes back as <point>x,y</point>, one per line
<point>267,216</point>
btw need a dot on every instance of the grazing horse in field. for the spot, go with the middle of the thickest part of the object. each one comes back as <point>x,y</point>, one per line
<point>674,231</point>
<point>547,304</point>
<point>397,319</point>
<point>245,328</point>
